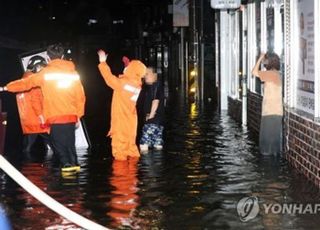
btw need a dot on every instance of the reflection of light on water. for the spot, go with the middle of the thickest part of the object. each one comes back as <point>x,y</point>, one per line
<point>197,176</point>
<point>193,110</point>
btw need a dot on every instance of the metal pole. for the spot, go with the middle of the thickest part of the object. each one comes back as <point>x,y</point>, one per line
<point>186,86</point>
<point>202,74</point>
<point>182,58</point>
<point>244,67</point>
<point>202,54</point>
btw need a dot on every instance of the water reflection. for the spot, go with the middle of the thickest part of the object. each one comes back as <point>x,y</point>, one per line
<point>40,175</point>
<point>208,164</point>
<point>124,199</point>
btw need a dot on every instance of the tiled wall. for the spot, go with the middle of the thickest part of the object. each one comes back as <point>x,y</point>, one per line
<point>254,111</point>
<point>302,145</point>
<point>235,109</point>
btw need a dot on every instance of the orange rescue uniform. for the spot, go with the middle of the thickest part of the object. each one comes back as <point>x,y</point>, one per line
<point>63,94</point>
<point>126,88</point>
<point>30,109</point>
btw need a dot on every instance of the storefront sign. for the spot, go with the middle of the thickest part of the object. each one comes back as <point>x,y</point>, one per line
<point>305,71</point>
<point>180,13</point>
<point>225,4</point>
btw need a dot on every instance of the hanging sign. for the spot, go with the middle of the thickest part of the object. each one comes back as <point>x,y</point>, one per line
<point>225,4</point>
<point>180,13</point>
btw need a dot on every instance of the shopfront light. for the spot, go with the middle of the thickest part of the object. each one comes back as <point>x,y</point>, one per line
<point>193,73</point>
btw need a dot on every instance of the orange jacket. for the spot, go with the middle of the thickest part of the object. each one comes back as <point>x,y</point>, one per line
<point>30,108</point>
<point>126,91</point>
<point>63,94</point>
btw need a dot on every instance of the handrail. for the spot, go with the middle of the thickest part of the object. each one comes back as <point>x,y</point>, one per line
<point>46,199</point>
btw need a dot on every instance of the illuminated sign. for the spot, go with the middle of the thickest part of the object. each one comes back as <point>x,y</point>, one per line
<point>225,4</point>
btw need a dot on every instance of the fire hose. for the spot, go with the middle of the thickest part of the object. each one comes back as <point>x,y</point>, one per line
<point>46,199</point>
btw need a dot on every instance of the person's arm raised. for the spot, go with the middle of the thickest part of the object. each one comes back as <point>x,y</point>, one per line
<point>255,70</point>
<point>106,73</point>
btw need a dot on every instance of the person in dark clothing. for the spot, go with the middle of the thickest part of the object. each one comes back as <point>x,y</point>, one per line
<point>153,112</point>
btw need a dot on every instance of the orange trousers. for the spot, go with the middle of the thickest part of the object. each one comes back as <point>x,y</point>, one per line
<point>122,149</point>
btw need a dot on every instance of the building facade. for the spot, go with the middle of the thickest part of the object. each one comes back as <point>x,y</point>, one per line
<point>289,28</point>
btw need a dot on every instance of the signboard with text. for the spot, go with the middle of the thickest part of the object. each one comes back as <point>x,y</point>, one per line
<point>225,4</point>
<point>305,53</point>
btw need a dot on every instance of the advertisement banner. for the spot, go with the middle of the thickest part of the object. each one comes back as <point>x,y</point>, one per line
<point>180,13</point>
<point>305,71</point>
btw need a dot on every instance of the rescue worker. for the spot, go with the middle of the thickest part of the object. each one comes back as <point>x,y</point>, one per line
<point>126,88</point>
<point>31,110</point>
<point>63,103</point>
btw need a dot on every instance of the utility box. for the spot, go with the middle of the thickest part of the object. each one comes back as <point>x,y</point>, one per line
<point>225,4</point>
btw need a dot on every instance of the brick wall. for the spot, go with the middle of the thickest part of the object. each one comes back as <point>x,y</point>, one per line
<point>254,111</point>
<point>235,109</point>
<point>302,145</point>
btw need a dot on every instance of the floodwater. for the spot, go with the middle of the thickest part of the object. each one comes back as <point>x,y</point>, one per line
<point>209,163</point>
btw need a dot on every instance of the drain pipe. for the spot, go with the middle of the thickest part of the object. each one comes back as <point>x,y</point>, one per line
<point>46,199</point>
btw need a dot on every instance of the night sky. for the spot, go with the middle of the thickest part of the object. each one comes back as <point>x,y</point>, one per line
<point>38,20</point>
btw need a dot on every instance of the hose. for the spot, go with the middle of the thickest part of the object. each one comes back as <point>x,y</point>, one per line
<point>46,199</point>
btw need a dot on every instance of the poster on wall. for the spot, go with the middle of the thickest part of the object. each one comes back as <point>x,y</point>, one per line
<point>305,71</point>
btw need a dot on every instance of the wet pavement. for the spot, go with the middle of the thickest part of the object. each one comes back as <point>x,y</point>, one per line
<point>209,163</point>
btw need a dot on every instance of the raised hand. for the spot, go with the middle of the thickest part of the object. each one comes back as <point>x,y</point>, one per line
<point>102,56</point>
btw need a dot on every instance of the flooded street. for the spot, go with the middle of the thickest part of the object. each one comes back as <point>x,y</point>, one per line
<point>209,163</point>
